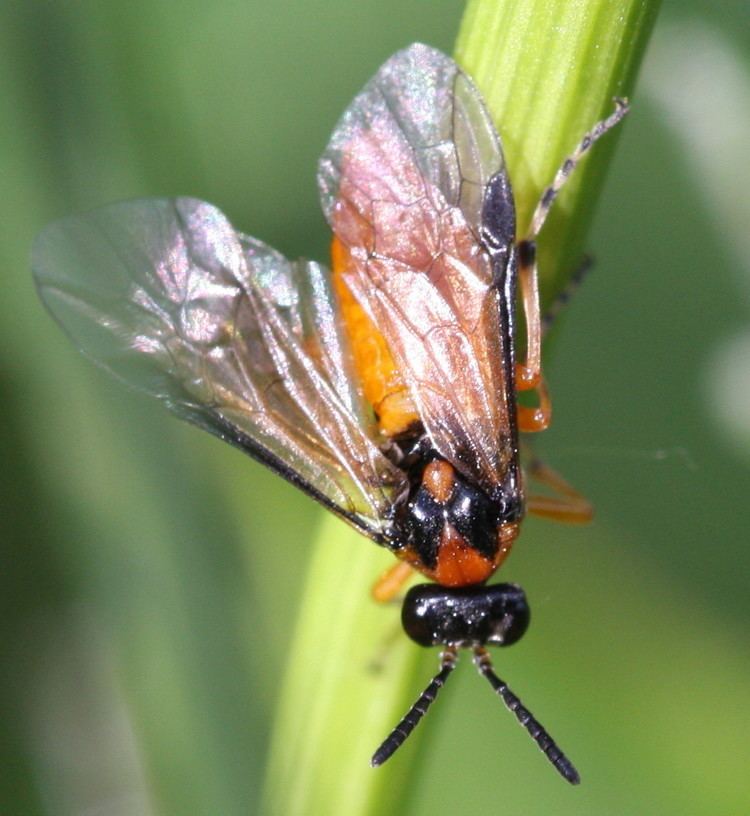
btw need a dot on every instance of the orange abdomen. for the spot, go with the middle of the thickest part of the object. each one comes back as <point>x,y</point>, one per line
<point>382,383</point>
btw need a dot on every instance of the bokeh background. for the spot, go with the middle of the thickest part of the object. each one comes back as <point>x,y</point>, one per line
<point>149,575</point>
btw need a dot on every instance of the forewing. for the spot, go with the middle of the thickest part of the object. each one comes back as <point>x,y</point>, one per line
<point>226,332</point>
<point>403,182</point>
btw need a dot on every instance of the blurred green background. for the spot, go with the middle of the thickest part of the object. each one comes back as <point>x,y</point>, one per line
<point>150,574</point>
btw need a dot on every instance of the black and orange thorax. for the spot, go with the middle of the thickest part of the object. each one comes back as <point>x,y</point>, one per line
<point>447,527</point>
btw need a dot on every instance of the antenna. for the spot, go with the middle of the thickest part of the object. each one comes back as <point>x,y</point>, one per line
<point>540,736</point>
<point>412,717</point>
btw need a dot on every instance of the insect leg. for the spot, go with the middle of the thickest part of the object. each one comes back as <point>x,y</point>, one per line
<point>529,373</point>
<point>390,582</point>
<point>568,505</point>
<point>563,297</point>
<point>567,167</point>
<point>535,418</point>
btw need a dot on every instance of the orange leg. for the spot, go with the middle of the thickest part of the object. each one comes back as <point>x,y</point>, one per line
<point>390,582</point>
<point>568,505</point>
<point>531,420</point>
<point>529,373</point>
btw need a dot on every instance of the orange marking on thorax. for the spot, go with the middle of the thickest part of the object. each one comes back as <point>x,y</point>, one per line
<point>438,478</point>
<point>382,383</point>
<point>459,564</point>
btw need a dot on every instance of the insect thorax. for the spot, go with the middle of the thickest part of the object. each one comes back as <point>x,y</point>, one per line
<point>449,528</point>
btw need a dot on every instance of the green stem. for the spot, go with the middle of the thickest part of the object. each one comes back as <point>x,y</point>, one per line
<point>549,70</point>
<point>351,675</point>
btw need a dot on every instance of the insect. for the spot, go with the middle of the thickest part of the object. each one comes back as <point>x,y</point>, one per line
<point>386,388</point>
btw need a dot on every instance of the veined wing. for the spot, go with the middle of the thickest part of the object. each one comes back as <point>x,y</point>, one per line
<point>404,185</point>
<point>225,331</point>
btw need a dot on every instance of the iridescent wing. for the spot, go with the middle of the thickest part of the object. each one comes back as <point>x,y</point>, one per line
<point>404,184</point>
<point>225,331</point>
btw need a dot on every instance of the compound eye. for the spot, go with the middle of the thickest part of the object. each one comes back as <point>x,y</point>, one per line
<point>420,619</point>
<point>510,616</point>
<point>513,627</point>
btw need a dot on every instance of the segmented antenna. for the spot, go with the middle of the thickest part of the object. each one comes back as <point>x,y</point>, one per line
<point>563,765</point>
<point>567,167</point>
<point>396,738</point>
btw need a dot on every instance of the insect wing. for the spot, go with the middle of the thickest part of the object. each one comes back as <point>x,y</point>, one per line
<point>403,184</point>
<point>225,331</point>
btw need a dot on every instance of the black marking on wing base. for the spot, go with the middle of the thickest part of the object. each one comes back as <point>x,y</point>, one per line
<point>498,236</point>
<point>499,220</point>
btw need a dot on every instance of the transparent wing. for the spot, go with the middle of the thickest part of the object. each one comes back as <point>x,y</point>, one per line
<point>403,184</point>
<point>227,333</point>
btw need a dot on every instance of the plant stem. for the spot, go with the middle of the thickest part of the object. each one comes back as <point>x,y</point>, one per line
<point>351,675</point>
<point>548,70</point>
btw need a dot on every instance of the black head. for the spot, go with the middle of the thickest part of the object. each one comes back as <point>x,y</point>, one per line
<point>465,617</point>
<point>469,617</point>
